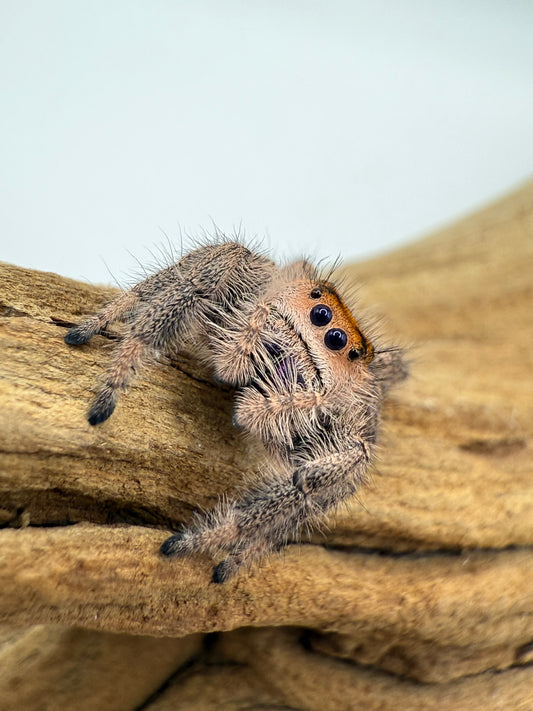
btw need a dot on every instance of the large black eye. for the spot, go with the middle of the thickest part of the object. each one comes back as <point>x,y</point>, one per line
<point>335,339</point>
<point>320,315</point>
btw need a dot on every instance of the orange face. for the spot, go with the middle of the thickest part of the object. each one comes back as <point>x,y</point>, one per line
<point>341,330</point>
<point>326,324</point>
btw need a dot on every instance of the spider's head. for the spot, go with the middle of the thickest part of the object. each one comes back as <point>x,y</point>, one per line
<point>334,321</point>
<point>329,333</point>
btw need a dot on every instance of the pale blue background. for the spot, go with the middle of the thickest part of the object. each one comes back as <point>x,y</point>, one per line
<point>328,128</point>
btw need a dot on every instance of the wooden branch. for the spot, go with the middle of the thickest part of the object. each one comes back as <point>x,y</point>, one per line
<point>398,584</point>
<point>118,583</point>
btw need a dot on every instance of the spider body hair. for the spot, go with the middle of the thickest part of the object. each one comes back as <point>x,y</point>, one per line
<point>309,385</point>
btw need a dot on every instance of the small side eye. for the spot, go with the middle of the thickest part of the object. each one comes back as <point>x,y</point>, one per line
<point>320,315</point>
<point>316,293</point>
<point>335,339</point>
<point>355,353</point>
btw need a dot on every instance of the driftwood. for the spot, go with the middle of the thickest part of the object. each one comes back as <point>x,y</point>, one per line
<point>426,577</point>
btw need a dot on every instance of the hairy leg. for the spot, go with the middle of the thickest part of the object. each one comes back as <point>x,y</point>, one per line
<point>158,325</point>
<point>389,367</point>
<point>118,310</point>
<point>233,350</point>
<point>170,306</point>
<point>125,360</point>
<point>124,305</point>
<point>270,515</point>
<point>277,415</point>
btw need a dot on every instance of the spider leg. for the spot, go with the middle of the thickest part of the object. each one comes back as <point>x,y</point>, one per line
<point>276,415</point>
<point>389,367</point>
<point>268,516</point>
<point>161,323</point>
<point>170,306</point>
<point>118,310</point>
<point>126,358</point>
<point>244,557</point>
<point>234,350</point>
<point>121,308</point>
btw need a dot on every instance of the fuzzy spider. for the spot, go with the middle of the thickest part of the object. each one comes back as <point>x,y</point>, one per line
<point>309,384</point>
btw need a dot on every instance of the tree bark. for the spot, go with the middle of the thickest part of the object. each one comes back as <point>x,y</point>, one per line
<point>426,576</point>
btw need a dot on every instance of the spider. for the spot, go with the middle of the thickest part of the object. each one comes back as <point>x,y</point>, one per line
<point>309,384</point>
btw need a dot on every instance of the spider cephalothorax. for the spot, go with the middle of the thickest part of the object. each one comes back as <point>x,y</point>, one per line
<point>309,385</point>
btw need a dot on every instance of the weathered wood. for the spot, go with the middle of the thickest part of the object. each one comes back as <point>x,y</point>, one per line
<point>429,579</point>
<point>304,680</point>
<point>65,668</point>
<point>444,615</point>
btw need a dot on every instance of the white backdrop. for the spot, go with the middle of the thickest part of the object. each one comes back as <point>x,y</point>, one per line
<point>332,127</point>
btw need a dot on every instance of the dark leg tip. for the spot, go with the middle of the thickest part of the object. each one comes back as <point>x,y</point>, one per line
<point>76,337</point>
<point>224,571</point>
<point>95,418</point>
<point>99,412</point>
<point>171,546</point>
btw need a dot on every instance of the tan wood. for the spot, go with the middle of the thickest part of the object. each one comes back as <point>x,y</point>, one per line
<point>425,576</point>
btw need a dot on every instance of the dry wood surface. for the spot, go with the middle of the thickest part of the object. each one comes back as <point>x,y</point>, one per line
<point>420,594</point>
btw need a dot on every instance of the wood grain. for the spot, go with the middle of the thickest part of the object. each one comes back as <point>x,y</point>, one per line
<point>425,577</point>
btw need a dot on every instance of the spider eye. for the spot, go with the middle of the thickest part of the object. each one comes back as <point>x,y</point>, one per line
<point>316,293</point>
<point>335,339</point>
<point>355,353</point>
<point>320,315</point>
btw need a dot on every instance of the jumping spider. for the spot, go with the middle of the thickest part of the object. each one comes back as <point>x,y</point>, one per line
<point>309,384</point>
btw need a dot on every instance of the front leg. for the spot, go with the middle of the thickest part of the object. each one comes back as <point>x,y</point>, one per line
<point>277,414</point>
<point>389,367</point>
<point>236,351</point>
<point>272,514</point>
